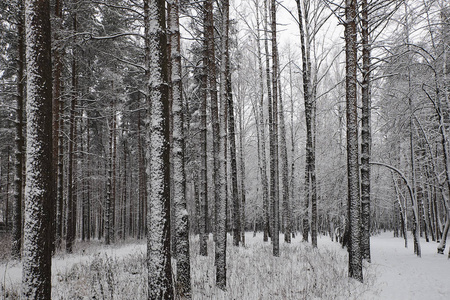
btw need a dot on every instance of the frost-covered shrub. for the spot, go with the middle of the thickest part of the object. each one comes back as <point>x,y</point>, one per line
<point>104,277</point>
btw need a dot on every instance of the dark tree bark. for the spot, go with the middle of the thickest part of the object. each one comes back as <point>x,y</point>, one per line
<point>108,224</point>
<point>71,197</point>
<point>57,73</point>
<point>141,214</point>
<point>221,206</point>
<point>284,169</point>
<point>236,216</point>
<point>19,138</point>
<point>270,119</point>
<point>203,146</point>
<point>310,180</point>
<point>36,277</point>
<point>212,81</point>
<point>242,171</point>
<point>354,204</point>
<point>274,156</point>
<point>60,176</point>
<point>113,198</point>
<point>158,155</point>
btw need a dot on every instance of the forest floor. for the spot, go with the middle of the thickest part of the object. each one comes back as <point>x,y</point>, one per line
<point>301,272</point>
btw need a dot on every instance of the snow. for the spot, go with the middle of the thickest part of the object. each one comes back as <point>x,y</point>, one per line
<point>403,275</point>
<point>395,272</point>
<point>11,272</point>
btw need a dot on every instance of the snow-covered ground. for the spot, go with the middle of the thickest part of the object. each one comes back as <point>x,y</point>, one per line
<point>395,272</point>
<point>400,274</point>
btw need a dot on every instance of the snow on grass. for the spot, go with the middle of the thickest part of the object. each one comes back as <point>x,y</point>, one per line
<point>301,272</point>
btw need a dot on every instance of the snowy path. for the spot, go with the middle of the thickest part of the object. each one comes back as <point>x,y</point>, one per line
<point>401,275</point>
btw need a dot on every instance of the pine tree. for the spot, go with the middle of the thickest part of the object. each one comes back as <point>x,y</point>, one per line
<point>365,132</point>
<point>36,277</point>
<point>274,151</point>
<point>354,204</point>
<point>158,155</point>
<point>19,138</point>
<point>183,277</point>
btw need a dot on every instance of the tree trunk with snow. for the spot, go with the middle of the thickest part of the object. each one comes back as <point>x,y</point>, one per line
<point>158,155</point>
<point>222,204</point>
<point>36,276</point>
<point>354,204</point>
<point>183,277</point>
<point>365,133</point>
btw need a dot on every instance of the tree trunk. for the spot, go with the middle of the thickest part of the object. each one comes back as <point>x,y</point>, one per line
<point>233,158</point>
<point>16,247</point>
<point>262,163</point>
<point>57,73</point>
<point>203,149</point>
<point>274,171</point>
<point>242,171</point>
<point>183,275</point>
<point>141,183</point>
<point>284,169</point>
<point>310,188</point>
<point>60,177</point>
<point>226,100</point>
<point>158,155</point>
<point>365,133</point>
<point>71,198</point>
<point>8,169</point>
<point>113,198</point>
<point>354,205</point>
<point>270,119</point>
<point>292,179</point>
<point>36,276</point>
